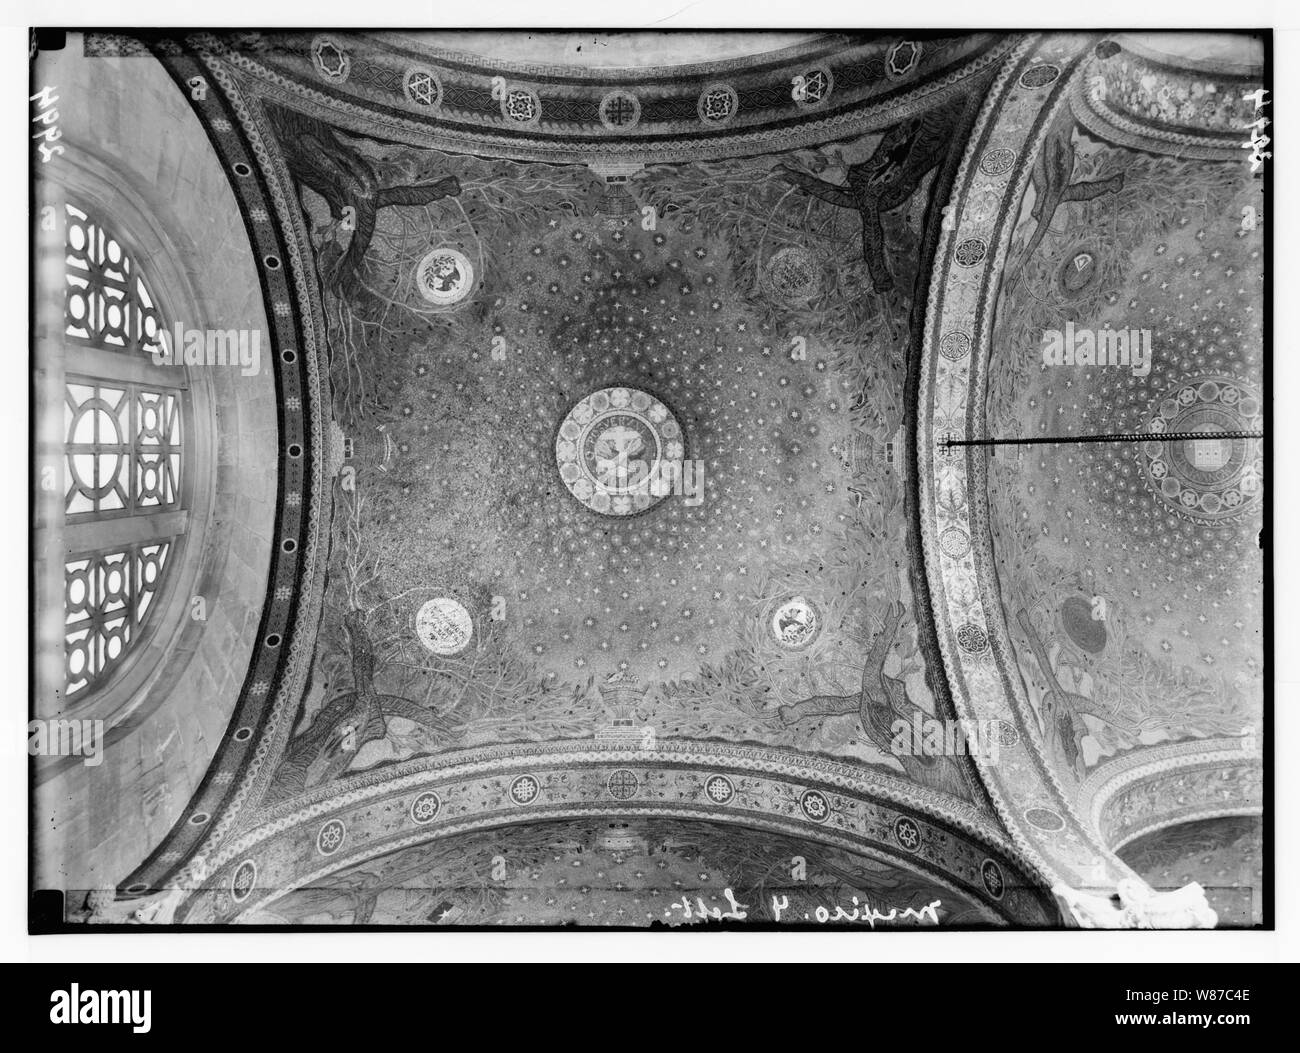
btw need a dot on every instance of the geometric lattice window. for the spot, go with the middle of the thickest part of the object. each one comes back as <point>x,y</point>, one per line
<point>108,303</point>
<point>107,596</point>
<point>124,450</point>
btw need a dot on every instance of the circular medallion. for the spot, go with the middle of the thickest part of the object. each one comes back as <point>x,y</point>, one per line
<point>1087,632</point>
<point>1078,274</point>
<point>1044,819</point>
<point>954,542</point>
<point>622,784</point>
<point>902,58</point>
<point>521,106</point>
<point>971,252</point>
<point>525,789</point>
<point>444,626</point>
<point>796,623</point>
<point>972,638</point>
<point>792,276</point>
<point>1003,732</point>
<point>425,808</point>
<point>445,276</point>
<point>718,104</point>
<point>620,111</point>
<point>811,88</point>
<point>330,838</point>
<point>330,60</point>
<point>815,806</point>
<point>1039,76</point>
<point>955,346</point>
<point>998,161</point>
<point>620,451</point>
<point>243,880</point>
<point>1212,479</point>
<point>422,87</point>
<point>719,789</point>
<point>907,833</point>
<point>991,875</point>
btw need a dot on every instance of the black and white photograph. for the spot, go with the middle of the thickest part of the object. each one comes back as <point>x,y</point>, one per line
<point>710,477</point>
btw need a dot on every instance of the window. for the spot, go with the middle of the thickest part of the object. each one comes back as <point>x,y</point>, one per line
<point>124,448</point>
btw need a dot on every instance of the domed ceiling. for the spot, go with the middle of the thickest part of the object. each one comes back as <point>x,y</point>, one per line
<point>656,539</point>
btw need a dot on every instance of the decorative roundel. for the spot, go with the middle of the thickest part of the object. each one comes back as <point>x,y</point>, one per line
<point>815,806</point>
<point>793,275</point>
<point>1044,819</point>
<point>422,87</point>
<point>1087,632</point>
<point>525,789</point>
<point>330,60</point>
<point>1003,732</point>
<point>719,789</point>
<point>425,808</point>
<point>954,542</point>
<point>796,623</point>
<point>972,638</point>
<point>444,626</point>
<point>971,252</point>
<point>991,875</point>
<point>1039,76</point>
<point>243,880</point>
<point>907,833</point>
<point>1212,479</point>
<point>622,784</point>
<point>718,104</point>
<point>812,87</point>
<point>330,838</point>
<point>521,106</point>
<point>955,346</point>
<point>902,58</point>
<point>620,451</point>
<point>997,161</point>
<point>620,111</point>
<point>445,276</point>
<point>1078,274</point>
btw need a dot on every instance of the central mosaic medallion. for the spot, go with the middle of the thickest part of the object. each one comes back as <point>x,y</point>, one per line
<point>619,451</point>
<point>1213,478</point>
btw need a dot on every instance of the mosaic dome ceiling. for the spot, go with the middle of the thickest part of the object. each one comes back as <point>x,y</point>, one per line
<point>657,529</point>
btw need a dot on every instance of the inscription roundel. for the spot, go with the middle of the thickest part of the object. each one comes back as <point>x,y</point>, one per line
<point>444,626</point>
